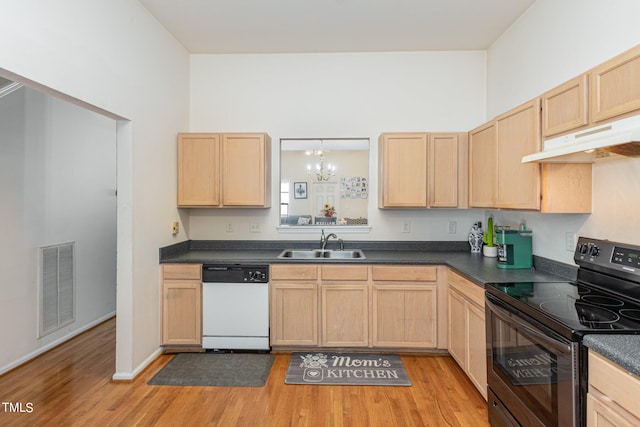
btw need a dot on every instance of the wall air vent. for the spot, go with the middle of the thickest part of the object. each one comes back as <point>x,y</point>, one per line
<point>57,287</point>
<point>7,86</point>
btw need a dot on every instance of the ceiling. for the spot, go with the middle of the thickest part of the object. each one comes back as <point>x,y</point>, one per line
<point>307,26</point>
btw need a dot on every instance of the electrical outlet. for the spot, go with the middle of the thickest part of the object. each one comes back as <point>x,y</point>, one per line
<point>229,227</point>
<point>452,227</point>
<point>406,226</point>
<point>175,227</point>
<point>254,227</point>
<point>570,241</point>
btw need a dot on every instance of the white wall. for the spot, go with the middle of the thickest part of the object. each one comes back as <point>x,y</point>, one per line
<point>337,95</point>
<point>111,55</point>
<point>58,164</point>
<point>551,43</point>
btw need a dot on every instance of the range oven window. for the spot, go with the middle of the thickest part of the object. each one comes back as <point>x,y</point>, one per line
<point>536,369</point>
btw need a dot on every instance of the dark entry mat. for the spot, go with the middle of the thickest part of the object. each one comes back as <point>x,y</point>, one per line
<point>216,369</point>
<point>346,369</point>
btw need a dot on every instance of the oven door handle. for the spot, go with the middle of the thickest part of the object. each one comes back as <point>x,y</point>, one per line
<point>513,318</point>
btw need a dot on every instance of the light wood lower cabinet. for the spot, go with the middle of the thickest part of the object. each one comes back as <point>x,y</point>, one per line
<point>612,399</point>
<point>352,306</point>
<point>467,334</point>
<point>345,315</point>
<point>294,305</point>
<point>405,306</point>
<point>344,301</point>
<point>182,305</point>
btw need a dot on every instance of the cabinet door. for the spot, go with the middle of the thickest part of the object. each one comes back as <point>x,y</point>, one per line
<point>403,171</point>
<point>601,413</point>
<point>482,166</point>
<point>565,108</point>
<point>615,86</point>
<point>345,315</point>
<point>182,312</point>
<point>198,170</point>
<point>245,170</point>
<point>476,360</point>
<point>518,134</point>
<point>443,170</point>
<point>405,316</point>
<point>457,328</point>
<point>294,314</point>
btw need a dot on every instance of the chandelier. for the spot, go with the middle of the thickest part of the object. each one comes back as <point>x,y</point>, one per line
<point>322,172</point>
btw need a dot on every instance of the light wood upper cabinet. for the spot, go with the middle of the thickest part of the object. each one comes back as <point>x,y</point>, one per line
<point>224,170</point>
<point>615,86</point>
<point>605,93</point>
<point>198,166</point>
<point>403,170</point>
<point>447,170</point>
<point>483,158</point>
<point>246,170</point>
<point>182,305</point>
<point>566,107</point>
<point>422,170</point>
<point>498,178</point>
<point>566,187</point>
<point>518,134</point>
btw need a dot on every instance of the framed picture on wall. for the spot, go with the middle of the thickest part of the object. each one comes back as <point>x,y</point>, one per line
<point>299,190</point>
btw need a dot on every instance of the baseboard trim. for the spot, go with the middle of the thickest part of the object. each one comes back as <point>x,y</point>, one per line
<point>130,376</point>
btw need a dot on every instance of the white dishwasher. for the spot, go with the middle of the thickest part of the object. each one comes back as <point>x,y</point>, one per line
<point>235,307</point>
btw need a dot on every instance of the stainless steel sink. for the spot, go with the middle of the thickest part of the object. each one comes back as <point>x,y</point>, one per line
<point>319,254</point>
<point>300,253</point>
<point>348,254</point>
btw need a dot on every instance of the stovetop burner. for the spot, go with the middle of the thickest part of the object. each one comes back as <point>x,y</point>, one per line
<point>604,298</point>
<point>630,313</point>
<point>577,306</point>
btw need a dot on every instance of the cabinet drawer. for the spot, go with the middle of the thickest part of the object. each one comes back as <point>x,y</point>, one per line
<point>467,288</point>
<point>294,272</point>
<point>407,273</point>
<point>345,272</point>
<point>614,382</point>
<point>182,271</point>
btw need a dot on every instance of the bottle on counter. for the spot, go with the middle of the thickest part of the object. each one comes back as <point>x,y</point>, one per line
<point>475,238</point>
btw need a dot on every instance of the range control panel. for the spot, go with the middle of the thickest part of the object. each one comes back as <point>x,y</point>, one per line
<point>614,258</point>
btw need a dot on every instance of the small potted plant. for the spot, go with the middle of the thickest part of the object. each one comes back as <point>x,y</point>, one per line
<point>489,249</point>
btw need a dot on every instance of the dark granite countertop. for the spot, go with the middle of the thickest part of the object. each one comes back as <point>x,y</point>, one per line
<point>456,255</point>
<point>623,350</point>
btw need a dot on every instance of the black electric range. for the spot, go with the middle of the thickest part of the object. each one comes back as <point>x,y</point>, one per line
<point>537,365</point>
<point>605,298</point>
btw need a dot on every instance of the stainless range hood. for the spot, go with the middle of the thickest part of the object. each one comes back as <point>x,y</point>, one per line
<point>621,137</point>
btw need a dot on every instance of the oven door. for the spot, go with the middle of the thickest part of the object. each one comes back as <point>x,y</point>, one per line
<point>532,372</point>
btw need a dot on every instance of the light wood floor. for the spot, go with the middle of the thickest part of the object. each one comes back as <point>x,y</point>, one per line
<point>71,386</point>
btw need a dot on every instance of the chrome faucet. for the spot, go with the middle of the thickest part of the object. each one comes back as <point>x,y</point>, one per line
<point>324,240</point>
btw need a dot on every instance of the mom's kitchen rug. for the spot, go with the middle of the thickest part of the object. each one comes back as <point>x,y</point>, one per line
<point>346,369</point>
<point>216,369</point>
